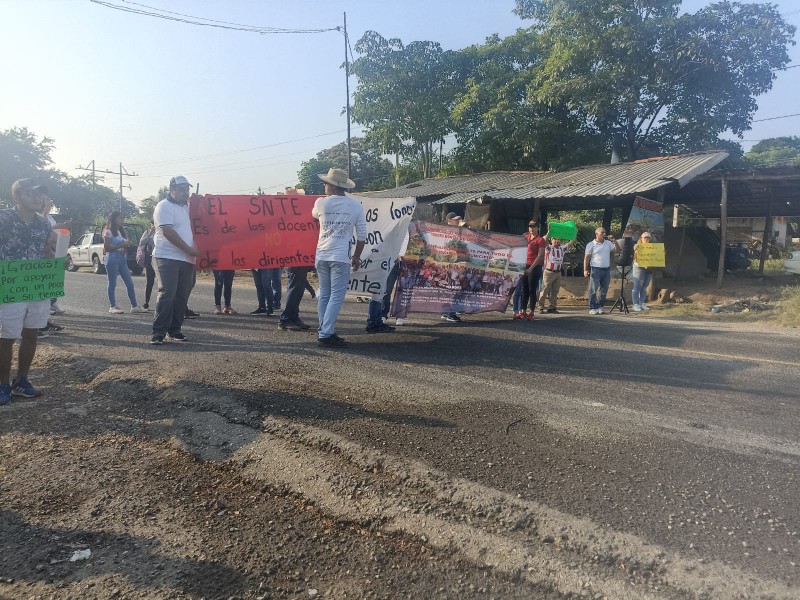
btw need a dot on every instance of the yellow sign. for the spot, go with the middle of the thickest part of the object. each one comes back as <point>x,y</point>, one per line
<point>651,255</point>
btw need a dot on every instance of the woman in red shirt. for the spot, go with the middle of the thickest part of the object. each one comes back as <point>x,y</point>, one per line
<point>533,271</point>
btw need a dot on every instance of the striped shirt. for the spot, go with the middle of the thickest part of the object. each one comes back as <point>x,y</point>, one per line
<point>553,258</point>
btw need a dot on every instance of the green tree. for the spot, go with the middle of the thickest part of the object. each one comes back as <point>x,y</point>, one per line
<point>369,169</point>
<point>643,74</point>
<point>501,124</point>
<point>22,155</point>
<point>775,152</point>
<point>404,95</point>
<point>148,205</point>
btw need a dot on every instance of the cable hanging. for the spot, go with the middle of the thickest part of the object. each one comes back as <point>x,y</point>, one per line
<point>201,21</point>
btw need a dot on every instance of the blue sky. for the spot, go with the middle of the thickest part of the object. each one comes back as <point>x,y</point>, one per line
<point>116,87</point>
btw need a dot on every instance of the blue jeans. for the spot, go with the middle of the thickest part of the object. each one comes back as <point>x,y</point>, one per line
<point>333,279</point>
<point>117,264</point>
<point>268,287</point>
<point>641,279</point>
<point>296,281</point>
<point>598,287</point>
<point>518,295</point>
<point>390,283</point>
<point>176,280</point>
<point>375,313</point>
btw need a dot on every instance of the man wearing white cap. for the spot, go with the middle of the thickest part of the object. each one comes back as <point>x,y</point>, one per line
<point>338,216</point>
<point>174,254</point>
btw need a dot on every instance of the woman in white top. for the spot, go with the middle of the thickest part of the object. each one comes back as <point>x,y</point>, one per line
<point>641,278</point>
<point>116,244</point>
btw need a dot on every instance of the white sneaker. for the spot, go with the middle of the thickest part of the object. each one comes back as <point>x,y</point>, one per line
<point>137,309</point>
<point>644,307</point>
<point>400,322</point>
<point>600,311</point>
<point>636,308</point>
<point>55,309</point>
<point>116,311</point>
<point>592,311</point>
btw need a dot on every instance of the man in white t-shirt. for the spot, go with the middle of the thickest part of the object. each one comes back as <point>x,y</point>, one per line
<point>338,216</point>
<point>174,255</point>
<point>598,256</point>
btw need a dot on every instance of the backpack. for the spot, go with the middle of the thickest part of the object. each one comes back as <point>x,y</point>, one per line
<point>140,255</point>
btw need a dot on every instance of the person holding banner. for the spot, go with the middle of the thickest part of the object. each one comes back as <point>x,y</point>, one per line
<point>533,271</point>
<point>24,235</point>
<point>175,254</point>
<point>597,255</point>
<point>339,216</point>
<point>642,277</point>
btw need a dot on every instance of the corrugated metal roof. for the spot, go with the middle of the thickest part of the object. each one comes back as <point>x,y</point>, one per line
<point>597,180</point>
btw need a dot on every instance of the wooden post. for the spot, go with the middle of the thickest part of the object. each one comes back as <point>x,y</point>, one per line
<point>537,206</point>
<point>767,233</point>
<point>723,229</point>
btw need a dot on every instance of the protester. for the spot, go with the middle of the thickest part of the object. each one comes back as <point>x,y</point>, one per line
<point>55,309</point>
<point>264,292</point>
<point>642,277</point>
<point>144,257</point>
<point>223,287</point>
<point>115,245</point>
<point>296,284</point>
<point>533,271</point>
<point>454,220</point>
<point>388,294</point>
<point>597,255</point>
<point>24,235</point>
<point>175,255</point>
<point>338,217</point>
<point>551,274</point>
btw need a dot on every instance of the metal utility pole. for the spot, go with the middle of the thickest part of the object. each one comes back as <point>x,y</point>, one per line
<point>89,168</point>
<point>122,172</point>
<point>347,87</point>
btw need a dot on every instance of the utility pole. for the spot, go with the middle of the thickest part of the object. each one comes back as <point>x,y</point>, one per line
<point>122,172</point>
<point>347,87</point>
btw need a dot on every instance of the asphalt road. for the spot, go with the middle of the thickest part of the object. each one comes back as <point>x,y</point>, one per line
<point>629,455</point>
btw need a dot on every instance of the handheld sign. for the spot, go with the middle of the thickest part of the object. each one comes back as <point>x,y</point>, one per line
<point>31,280</point>
<point>651,255</point>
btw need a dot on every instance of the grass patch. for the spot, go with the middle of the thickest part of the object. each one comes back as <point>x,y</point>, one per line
<point>790,306</point>
<point>772,266</point>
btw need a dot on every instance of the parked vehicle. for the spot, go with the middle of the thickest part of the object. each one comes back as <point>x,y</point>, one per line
<point>737,257</point>
<point>89,250</point>
<point>792,262</point>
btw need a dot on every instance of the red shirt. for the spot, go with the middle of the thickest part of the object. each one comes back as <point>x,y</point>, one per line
<point>534,245</point>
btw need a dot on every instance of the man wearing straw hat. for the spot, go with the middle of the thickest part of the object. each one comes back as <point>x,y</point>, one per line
<point>338,216</point>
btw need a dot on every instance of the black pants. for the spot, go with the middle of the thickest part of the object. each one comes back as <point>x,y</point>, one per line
<point>296,281</point>
<point>150,273</point>
<point>223,284</point>
<point>530,285</point>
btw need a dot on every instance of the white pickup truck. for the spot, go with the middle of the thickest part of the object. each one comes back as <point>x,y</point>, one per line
<point>89,251</point>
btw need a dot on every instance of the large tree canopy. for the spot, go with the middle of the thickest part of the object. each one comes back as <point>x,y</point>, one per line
<point>775,152</point>
<point>22,154</point>
<point>404,95</point>
<point>644,74</point>
<point>369,170</point>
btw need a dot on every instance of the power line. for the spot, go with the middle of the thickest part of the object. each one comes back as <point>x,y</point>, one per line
<point>202,21</point>
<point>774,118</point>
<point>191,158</point>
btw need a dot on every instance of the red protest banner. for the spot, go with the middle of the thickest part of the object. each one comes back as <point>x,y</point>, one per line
<point>254,232</point>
